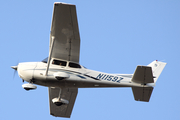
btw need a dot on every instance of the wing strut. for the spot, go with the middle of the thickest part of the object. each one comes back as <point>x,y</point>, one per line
<point>50,54</point>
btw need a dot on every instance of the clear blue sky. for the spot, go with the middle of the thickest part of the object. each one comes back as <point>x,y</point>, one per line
<point>116,36</point>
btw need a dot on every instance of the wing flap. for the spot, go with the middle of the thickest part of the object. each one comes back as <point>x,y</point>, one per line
<point>63,110</point>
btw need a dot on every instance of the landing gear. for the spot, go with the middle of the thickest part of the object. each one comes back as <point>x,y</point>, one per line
<point>60,101</point>
<point>29,86</point>
<point>61,75</point>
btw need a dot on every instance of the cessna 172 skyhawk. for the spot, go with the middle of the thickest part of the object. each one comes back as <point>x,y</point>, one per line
<point>63,75</point>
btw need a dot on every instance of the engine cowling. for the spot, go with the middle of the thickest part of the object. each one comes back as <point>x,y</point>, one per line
<point>29,86</point>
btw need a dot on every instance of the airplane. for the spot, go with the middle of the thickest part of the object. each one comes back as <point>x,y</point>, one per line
<point>63,75</point>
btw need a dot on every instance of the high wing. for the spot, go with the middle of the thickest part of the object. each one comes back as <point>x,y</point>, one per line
<point>63,110</point>
<point>65,31</point>
<point>64,44</point>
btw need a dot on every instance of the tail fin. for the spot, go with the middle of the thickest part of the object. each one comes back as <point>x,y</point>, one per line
<point>145,74</point>
<point>157,68</point>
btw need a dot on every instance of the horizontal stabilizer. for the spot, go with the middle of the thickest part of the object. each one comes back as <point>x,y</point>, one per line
<point>142,93</point>
<point>143,74</point>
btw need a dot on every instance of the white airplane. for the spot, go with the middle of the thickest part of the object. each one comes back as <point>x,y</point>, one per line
<point>63,75</point>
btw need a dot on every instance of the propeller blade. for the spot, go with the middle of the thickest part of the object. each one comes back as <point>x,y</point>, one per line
<point>14,73</point>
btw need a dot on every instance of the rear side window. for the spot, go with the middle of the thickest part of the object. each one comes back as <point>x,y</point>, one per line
<point>58,62</point>
<point>45,60</point>
<point>74,65</point>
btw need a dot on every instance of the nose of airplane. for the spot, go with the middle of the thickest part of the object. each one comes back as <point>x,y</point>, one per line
<point>14,67</point>
<point>25,70</point>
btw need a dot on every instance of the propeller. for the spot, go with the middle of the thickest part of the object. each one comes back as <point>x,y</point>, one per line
<point>14,67</point>
<point>15,70</point>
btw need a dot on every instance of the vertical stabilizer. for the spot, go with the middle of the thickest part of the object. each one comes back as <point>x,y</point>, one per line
<point>157,68</point>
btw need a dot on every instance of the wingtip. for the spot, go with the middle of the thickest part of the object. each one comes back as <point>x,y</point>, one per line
<point>55,3</point>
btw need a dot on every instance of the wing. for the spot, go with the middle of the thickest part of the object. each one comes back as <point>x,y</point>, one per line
<point>65,31</point>
<point>63,110</point>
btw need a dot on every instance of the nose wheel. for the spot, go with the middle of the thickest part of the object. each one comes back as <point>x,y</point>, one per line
<point>29,86</point>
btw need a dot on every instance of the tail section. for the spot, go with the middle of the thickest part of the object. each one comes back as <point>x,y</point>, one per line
<point>145,75</point>
<point>157,68</point>
<point>142,93</point>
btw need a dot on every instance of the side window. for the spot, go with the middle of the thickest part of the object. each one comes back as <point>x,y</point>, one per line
<point>74,65</point>
<point>45,60</point>
<point>58,62</point>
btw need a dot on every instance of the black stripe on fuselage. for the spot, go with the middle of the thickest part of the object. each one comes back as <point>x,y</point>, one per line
<point>77,73</point>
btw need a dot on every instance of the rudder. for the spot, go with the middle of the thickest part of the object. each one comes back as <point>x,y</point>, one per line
<point>157,68</point>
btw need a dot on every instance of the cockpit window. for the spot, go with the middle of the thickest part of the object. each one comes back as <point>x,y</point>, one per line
<point>74,65</point>
<point>58,62</point>
<point>45,60</point>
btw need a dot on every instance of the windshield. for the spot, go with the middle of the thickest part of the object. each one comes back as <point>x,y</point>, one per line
<point>45,60</point>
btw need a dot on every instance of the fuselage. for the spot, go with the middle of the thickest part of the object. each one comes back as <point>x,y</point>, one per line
<point>78,76</point>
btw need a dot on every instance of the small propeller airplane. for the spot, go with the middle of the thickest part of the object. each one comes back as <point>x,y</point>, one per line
<point>63,75</point>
